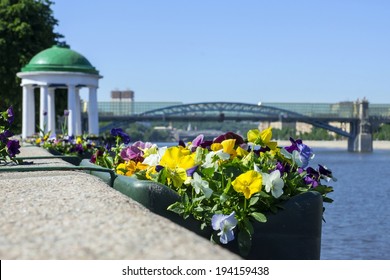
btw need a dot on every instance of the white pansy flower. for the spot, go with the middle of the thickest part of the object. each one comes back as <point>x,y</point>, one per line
<point>201,185</point>
<point>154,159</point>
<point>212,157</point>
<point>273,183</point>
<point>222,155</point>
<point>209,161</point>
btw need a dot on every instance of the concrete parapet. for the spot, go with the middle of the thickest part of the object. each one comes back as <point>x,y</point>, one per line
<point>73,215</point>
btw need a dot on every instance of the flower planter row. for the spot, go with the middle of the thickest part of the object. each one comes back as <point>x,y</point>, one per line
<point>292,233</point>
<point>72,159</point>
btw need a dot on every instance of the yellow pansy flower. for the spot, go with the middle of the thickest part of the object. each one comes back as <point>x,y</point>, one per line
<point>128,168</point>
<point>176,157</point>
<point>216,147</point>
<point>177,161</point>
<point>141,166</point>
<point>150,171</point>
<point>262,138</point>
<point>241,152</point>
<point>227,146</point>
<point>79,140</point>
<point>248,183</point>
<point>177,176</point>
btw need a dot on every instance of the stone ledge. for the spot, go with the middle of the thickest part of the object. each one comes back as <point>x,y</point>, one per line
<point>73,215</point>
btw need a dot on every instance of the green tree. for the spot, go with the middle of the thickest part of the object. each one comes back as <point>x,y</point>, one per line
<point>383,132</point>
<point>316,134</point>
<point>26,28</point>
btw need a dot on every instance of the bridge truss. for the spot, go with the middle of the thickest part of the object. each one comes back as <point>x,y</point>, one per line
<point>221,111</point>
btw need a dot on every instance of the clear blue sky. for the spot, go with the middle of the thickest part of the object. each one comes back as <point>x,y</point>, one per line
<point>244,51</point>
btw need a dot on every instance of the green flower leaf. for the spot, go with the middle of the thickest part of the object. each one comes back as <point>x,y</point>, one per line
<point>248,227</point>
<point>208,172</point>
<point>228,184</point>
<point>177,208</point>
<point>327,199</point>
<point>244,242</point>
<point>253,200</point>
<point>223,197</point>
<point>260,217</point>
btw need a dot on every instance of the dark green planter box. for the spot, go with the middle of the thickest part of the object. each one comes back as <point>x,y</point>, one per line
<point>291,233</point>
<point>104,176</point>
<point>73,159</point>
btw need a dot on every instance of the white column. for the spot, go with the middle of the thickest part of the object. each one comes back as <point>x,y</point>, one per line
<point>78,113</point>
<point>28,99</point>
<point>93,117</point>
<point>51,113</point>
<point>43,109</point>
<point>71,109</point>
<point>31,125</point>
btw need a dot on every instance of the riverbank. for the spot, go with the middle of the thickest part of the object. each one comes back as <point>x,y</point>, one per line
<point>338,144</point>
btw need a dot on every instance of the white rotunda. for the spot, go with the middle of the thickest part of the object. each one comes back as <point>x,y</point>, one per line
<point>58,67</point>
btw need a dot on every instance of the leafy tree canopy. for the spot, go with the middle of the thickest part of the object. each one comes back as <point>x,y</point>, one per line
<point>26,28</point>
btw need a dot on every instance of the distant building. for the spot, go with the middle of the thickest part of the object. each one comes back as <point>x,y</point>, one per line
<point>122,103</point>
<point>126,95</point>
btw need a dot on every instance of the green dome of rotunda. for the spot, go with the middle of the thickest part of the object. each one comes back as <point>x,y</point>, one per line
<point>62,59</point>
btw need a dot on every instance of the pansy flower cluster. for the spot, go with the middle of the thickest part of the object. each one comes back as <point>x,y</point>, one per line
<point>227,184</point>
<point>9,148</point>
<point>67,145</point>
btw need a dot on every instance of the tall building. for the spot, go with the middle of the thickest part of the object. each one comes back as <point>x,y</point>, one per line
<point>125,95</point>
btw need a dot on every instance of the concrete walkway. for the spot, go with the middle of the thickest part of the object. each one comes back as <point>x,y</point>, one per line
<point>73,215</point>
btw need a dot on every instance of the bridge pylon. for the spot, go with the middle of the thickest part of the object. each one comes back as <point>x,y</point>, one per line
<point>361,140</point>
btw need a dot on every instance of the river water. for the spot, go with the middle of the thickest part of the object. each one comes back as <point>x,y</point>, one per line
<point>358,221</point>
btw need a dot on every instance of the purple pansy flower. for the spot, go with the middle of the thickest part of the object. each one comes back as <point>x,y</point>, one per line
<point>13,147</point>
<point>190,171</point>
<point>304,151</point>
<point>79,148</point>
<point>118,132</point>
<point>135,152</point>
<point>11,116</point>
<point>198,140</point>
<point>282,167</point>
<point>293,146</point>
<point>97,154</point>
<point>206,144</point>
<point>310,181</point>
<point>312,177</point>
<point>5,135</point>
<point>325,173</point>
<point>305,154</point>
<point>229,135</point>
<point>108,146</point>
<point>181,143</point>
<point>159,168</point>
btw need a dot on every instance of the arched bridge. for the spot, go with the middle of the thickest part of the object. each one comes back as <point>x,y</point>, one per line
<point>220,111</point>
<point>319,115</point>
